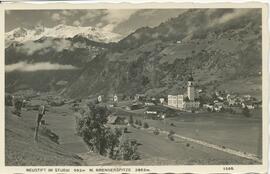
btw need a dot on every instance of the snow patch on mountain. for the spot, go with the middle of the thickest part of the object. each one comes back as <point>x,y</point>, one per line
<point>22,35</point>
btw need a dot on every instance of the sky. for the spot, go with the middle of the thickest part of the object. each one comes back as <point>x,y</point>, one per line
<point>121,21</point>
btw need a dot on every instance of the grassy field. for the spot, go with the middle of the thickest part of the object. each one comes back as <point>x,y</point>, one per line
<point>223,129</point>
<point>230,131</point>
<point>21,150</point>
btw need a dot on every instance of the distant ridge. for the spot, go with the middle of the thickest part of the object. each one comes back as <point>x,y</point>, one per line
<point>22,35</point>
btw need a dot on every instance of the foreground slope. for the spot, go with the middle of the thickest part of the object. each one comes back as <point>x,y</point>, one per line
<point>21,150</point>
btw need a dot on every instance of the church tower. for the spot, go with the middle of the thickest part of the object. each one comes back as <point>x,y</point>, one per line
<point>191,90</point>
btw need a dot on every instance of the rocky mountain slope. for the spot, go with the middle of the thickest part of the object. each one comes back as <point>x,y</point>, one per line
<point>217,46</point>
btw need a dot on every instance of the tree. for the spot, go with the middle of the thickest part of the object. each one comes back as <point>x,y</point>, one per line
<point>128,150</point>
<point>145,125</point>
<point>139,122</point>
<point>91,128</point>
<point>246,112</point>
<point>131,120</point>
<point>171,134</point>
<point>103,139</point>
<point>156,131</point>
<point>186,99</point>
<point>145,80</point>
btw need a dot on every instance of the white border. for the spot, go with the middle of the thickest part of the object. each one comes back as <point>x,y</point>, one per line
<point>138,4</point>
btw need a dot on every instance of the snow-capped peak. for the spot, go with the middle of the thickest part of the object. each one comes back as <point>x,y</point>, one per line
<point>60,31</point>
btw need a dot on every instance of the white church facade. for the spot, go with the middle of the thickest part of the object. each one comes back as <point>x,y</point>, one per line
<point>180,102</point>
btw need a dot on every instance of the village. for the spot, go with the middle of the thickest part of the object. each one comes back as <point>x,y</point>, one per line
<point>191,101</point>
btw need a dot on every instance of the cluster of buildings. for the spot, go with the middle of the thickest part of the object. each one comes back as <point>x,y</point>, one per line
<point>190,101</point>
<point>183,102</point>
<point>224,101</point>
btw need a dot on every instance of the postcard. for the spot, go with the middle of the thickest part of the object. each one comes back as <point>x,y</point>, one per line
<point>134,88</point>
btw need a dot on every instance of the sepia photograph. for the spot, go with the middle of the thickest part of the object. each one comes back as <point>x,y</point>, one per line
<point>133,87</point>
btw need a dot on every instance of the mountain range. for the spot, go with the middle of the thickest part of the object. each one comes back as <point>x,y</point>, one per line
<point>220,48</point>
<point>21,35</point>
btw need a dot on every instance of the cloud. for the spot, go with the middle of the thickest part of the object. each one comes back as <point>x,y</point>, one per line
<point>76,23</point>
<point>115,17</point>
<point>56,17</point>
<point>229,16</point>
<point>31,47</point>
<point>92,15</point>
<point>109,27</point>
<point>69,12</point>
<point>99,25</point>
<point>25,67</point>
<point>106,19</point>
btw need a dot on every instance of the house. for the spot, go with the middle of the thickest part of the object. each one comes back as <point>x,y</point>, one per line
<point>218,106</point>
<point>149,104</point>
<point>183,103</point>
<point>231,102</point>
<point>115,98</point>
<point>151,112</point>
<point>257,104</point>
<point>220,98</point>
<point>99,99</point>
<point>140,97</point>
<point>199,90</point>
<point>161,100</point>
<point>155,112</point>
<point>248,104</point>
<point>112,119</point>
<point>208,106</point>
<point>247,97</point>
<point>216,101</point>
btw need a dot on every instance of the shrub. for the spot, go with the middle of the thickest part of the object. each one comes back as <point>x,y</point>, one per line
<point>140,123</point>
<point>128,150</point>
<point>145,125</point>
<point>17,105</point>
<point>130,121</point>
<point>172,124</point>
<point>246,112</point>
<point>137,122</point>
<point>113,142</point>
<point>170,135</point>
<point>125,130</point>
<point>8,100</point>
<point>156,131</point>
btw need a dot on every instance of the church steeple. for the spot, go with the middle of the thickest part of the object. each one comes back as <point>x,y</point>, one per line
<point>190,89</point>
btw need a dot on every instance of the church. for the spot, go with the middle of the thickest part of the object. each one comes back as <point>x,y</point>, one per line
<point>182,102</point>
